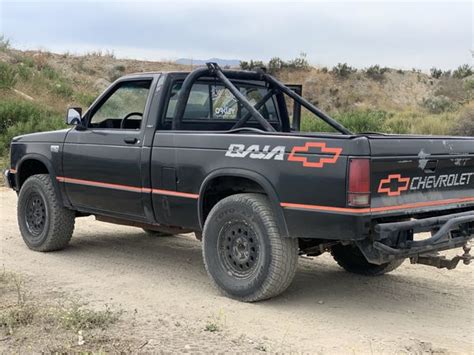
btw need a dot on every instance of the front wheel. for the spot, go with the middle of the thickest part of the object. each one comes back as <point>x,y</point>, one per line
<point>351,259</point>
<point>45,224</point>
<point>243,251</point>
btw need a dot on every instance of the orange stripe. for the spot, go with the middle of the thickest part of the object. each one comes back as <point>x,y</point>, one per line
<point>99,184</point>
<point>126,187</point>
<point>424,204</point>
<point>174,193</point>
<point>324,208</point>
<point>377,209</point>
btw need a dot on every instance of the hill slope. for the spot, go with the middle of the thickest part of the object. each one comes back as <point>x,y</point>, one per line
<point>36,87</point>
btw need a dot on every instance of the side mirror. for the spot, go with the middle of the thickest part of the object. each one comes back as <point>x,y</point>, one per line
<point>74,116</point>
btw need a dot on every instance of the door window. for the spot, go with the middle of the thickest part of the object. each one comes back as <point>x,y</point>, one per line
<point>124,108</point>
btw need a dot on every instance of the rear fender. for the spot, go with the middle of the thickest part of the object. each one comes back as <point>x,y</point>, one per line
<point>255,177</point>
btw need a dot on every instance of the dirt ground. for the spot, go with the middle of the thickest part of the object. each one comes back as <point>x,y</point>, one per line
<point>168,303</point>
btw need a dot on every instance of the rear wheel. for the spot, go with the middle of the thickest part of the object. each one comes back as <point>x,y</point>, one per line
<point>243,251</point>
<point>351,259</point>
<point>45,224</point>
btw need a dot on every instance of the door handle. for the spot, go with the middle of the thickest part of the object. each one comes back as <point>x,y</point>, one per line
<point>130,140</point>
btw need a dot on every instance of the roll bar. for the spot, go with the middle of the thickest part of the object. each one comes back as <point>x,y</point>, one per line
<point>213,70</point>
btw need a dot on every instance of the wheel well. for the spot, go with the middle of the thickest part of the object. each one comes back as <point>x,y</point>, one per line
<point>30,167</point>
<point>224,186</point>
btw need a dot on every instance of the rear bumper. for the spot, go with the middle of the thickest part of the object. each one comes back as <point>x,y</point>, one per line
<point>394,240</point>
<point>9,178</point>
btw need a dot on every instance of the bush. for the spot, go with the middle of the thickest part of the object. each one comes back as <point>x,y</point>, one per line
<point>463,71</point>
<point>406,122</point>
<point>49,72</point>
<point>4,43</point>
<point>276,64</point>
<point>7,76</point>
<point>253,64</point>
<point>343,70</point>
<point>24,72</point>
<point>465,123</point>
<point>85,99</point>
<point>453,89</point>
<point>355,121</point>
<point>438,104</point>
<point>436,73</point>
<point>20,117</point>
<point>376,72</point>
<point>62,89</point>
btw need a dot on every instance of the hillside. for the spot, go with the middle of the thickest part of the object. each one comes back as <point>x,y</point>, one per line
<point>36,87</point>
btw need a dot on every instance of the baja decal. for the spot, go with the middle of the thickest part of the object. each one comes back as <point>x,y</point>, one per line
<point>278,153</point>
<point>334,154</point>
<point>254,152</point>
<point>395,184</point>
<point>394,179</point>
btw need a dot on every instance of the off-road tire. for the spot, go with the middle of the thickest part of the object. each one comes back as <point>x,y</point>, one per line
<point>274,260</point>
<point>55,232</point>
<point>351,259</point>
<point>153,233</point>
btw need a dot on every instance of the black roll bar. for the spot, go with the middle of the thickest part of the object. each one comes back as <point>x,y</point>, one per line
<point>213,70</point>
<point>326,118</point>
<point>257,106</point>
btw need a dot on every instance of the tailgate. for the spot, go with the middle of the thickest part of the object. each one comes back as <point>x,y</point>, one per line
<point>420,174</point>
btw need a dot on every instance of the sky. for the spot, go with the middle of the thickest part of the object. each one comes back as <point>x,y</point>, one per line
<point>396,34</point>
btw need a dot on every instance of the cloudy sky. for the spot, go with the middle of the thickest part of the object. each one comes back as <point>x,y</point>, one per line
<point>397,34</point>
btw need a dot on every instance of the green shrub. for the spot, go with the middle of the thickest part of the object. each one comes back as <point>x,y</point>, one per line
<point>343,70</point>
<point>436,73</point>
<point>20,117</point>
<point>405,122</point>
<point>417,122</point>
<point>463,71</point>
<point>253,64</point>
<point>376,72</point>
<point>4,43</point>
<point>355,121</point>
<point>465,123</point>
<point>85,99</point>
<point>7,76</point>
<point>454,89</point>
<point>50,73</point>
<point>62,89</point>
<point>469,84</point>
<point>438,104</point>
<point>24,72</point>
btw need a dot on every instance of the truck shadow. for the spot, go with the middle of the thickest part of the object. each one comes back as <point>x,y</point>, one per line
<point>318,283</point>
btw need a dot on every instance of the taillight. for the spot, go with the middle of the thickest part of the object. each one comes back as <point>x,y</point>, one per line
<point>359,183</point>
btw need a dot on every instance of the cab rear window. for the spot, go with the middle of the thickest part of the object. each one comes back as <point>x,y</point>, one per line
<point>214,102</point>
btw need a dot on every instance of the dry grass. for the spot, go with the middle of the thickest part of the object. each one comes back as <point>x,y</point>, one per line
<point>25,317</point>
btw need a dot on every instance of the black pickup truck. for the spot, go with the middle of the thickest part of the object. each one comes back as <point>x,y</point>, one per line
<point>219,153</point>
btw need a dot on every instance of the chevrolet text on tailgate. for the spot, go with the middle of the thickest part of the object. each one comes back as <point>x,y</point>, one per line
<point>218,153</point>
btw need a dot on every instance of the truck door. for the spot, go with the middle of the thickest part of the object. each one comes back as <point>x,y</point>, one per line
<point>102,163</point>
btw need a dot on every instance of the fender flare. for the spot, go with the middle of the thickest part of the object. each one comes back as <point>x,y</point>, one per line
<point>47,163</point>
<point>255,177</point>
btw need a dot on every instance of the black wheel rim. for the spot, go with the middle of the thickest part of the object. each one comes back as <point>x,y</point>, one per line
<point>238,249</point>
<point>35,214</point>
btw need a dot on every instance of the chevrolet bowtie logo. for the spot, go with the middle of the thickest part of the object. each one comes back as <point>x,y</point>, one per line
<point>393,185</point>
<point>334,154</point>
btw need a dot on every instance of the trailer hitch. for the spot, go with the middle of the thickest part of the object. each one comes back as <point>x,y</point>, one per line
<point>441,262</point>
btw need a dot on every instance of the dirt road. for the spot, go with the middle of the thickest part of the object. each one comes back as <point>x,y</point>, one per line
<point>326,310</point>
